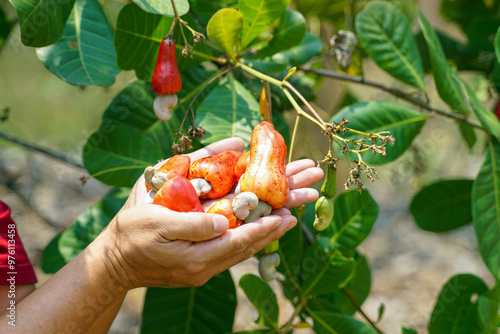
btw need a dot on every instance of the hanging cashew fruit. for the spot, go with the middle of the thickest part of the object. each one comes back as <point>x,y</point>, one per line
<point>218,170</point>
<point>166,80</point>
<point>324,207</point>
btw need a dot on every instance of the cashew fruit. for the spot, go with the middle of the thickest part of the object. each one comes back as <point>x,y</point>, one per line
<point>329,187</point>
<point>323,212</point>
<point>218,170</point>
<point>178,165</point>
<point>224,207</point>
<point>166,78</point>
<point>265,175</point>
<point>178,194</point>
<point>241,165</point>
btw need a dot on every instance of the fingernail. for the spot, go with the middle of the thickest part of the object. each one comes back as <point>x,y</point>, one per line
<point>291,225</point>
<point>220,223</point>
<point>277,223</point>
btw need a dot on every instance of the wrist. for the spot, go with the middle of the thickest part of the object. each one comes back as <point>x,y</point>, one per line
<point>114,276</point>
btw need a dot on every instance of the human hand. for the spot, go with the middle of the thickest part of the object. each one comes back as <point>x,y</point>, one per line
<point>301,174</point>
<point>150,245</point>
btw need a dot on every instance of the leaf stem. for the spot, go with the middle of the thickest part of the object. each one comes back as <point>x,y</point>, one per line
<point>260,75</point>
<point>299,109</point>
<point>303,99</point>
<point>443,112</point>
<point>294,134</point>
<point>358,307</point>
<point>289,324</point>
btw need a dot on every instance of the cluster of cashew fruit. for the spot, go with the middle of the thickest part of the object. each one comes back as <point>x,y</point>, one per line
<point>166,80</point>
<point>258,174</point>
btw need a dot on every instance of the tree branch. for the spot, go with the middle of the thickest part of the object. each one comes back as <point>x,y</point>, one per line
<point>51,154</point>
<point>358,308</point>
<point>359,80</point>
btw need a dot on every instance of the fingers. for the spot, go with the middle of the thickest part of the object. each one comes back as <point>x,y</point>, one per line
<point>305,178</point>
<point>171,225</point>
<point>234,143</point>
<point>297,166</point>
<point>300,197</point>
<point>247,239</point>
<point>242,243</point>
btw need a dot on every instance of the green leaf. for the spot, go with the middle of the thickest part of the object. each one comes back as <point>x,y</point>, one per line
<point>309,47</point>
<point>497,44</point>
<point>52,259</point>
<point>262,297</point>
<point>443,206</point>
<point>358,287</point>
<point>333,323</point>
<point>455,311</point>
<point>119,147</point>
<point>468,134</point>
<point>324,271</point>
<point>290,252</point>
<point>486,208</point>
<point>230,110</point>
<point>370,117</point>
<point>266,65</point>
<point>448,84</point>
<point>204,9</point>
<point>480,32</point>
<point>208,309</point>
<point>488,119</point>
<point>42,21</point>
<point>5,27</point>
<point>90,224</point>
<point>131,138</point>
<point>463,11</point>
<point>407,330</point>
<point>224,28</point>
<point>289,33</point>
<point>386,35</point>
<point>138,36</point>
<point>85,55</point>
<point>487,308</point>
<point>163,7</point>
<point>355,215</point>
<point>258,15</point>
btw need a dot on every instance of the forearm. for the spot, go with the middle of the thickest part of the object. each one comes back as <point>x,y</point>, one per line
<point>73,299</point>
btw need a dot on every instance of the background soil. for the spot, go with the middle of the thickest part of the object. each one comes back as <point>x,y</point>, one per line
<point>409,266</point>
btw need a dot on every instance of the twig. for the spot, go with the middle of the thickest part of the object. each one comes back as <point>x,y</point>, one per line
<point>397,93</point>
<point>38,149</point>
<point>358,308</point>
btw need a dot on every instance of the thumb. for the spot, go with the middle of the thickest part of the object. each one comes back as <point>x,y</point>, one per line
<point>191,226</point>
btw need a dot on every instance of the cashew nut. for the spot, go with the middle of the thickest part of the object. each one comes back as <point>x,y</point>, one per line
<point>243,203</point>
<point>267,266</point>
<point>154,179</point>
<point>163,105</point>
<point>201,186</point>
<point>261,210</point>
